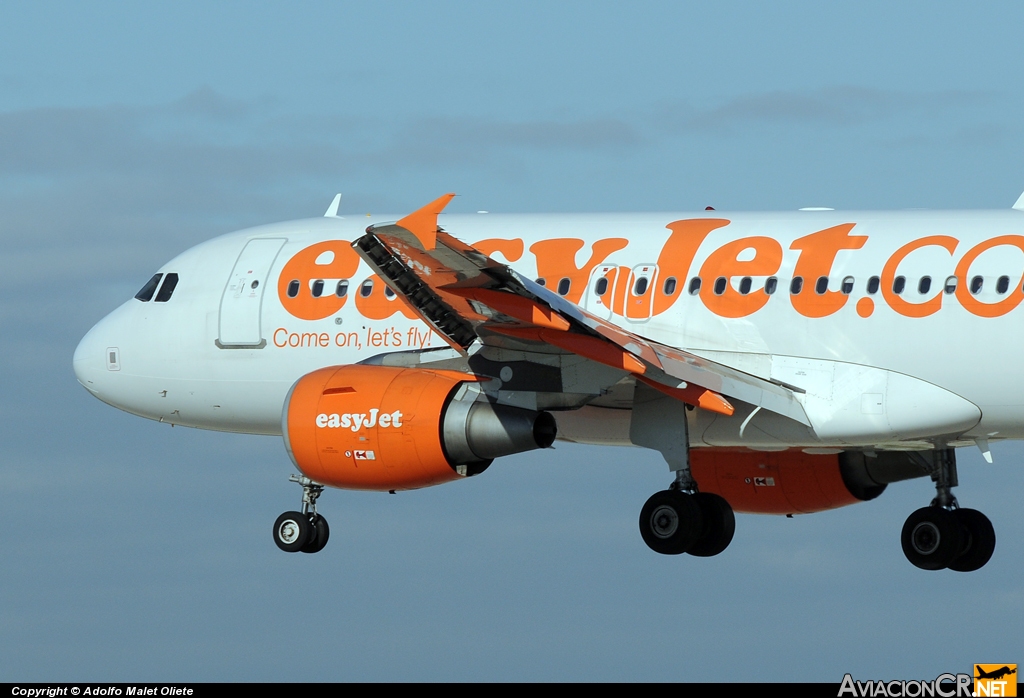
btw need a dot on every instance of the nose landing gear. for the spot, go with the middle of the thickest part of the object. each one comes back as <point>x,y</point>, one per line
<point>305,530</point>
<point>942,535</point>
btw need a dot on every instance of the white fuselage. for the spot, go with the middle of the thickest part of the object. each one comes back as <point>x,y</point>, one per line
<point>874,366</point>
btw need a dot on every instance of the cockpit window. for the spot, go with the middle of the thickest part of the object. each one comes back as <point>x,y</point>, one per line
<point>167,288</point>
<point>146,292</point>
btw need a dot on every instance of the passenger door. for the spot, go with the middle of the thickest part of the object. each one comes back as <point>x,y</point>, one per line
<point>241,304</point>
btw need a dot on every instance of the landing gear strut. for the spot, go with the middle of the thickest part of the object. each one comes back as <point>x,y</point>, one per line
<point>680,519</point>
<point>305,530</point>
<point>942,535</point>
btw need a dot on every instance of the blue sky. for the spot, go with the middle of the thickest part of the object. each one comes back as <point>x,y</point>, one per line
<point>129,132</point>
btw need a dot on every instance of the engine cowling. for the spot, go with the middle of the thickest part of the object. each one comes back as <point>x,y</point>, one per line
<point>793,482</point>
<point>389,428</point>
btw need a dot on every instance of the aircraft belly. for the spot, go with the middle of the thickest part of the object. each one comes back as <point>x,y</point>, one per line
<point>602,426</point>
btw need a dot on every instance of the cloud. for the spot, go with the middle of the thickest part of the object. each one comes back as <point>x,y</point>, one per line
<point>582,134</point>
<point>836,106</point>
<point>980,136</point>
<point>208,137</point>
<point>108,191</point>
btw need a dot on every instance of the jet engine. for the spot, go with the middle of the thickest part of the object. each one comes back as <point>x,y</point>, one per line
<point>389,428</point>
<point>793,482</point>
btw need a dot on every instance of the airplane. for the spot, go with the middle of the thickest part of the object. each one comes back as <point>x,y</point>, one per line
<point>995,674</point>
<point>782,363</point>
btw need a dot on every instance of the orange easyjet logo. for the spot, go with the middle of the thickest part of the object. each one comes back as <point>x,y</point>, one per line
<point>356,421</point>
<point>315,282</point>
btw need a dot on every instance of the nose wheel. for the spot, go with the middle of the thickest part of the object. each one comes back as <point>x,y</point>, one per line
<point>306,530</point>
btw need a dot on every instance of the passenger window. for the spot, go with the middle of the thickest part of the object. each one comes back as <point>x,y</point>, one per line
<point>898,284</point>
<point>388,293</point>
<point>641,286</point>
<point>796,285</point>
<point>670,286</point>
<point>145,293</point>
<point>924,285</point>
<point>1003,284</point>
<point>976,283</point>
<point>366,289</point>
<point>745,285</point>
<point>821,286</point>
<point>293,288</point>
<point>542,281</point>
<point>873,285</point>
<point>950,285</point>
<point>563,286</point>
<point>601,287</point>
<point>167,288</point>
<point>342,289</point>
<point>318,288</point>
<point>770,285</point>
<point>695,286</point>
<point>720,284</point>
<point>848,285</point>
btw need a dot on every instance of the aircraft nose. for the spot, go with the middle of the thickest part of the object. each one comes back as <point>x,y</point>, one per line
<point>97,357</point>
<point>89,363</point>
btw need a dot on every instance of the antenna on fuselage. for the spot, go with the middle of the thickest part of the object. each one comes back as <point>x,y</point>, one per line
<point>332,210</point>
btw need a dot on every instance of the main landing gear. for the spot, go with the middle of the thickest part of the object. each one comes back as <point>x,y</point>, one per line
<point>682,520</point>
<point>942,535</point>
<point>304,530</point>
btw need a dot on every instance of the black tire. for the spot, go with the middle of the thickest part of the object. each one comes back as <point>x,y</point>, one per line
<point>979,540</point>
<point>318,535</point>
<point>292,531</point>
<point>719,525</point>
<point>670,522</point>
<point>932,538</point>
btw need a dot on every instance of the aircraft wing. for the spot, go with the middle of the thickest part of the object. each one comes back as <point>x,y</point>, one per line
<point>469,298</point>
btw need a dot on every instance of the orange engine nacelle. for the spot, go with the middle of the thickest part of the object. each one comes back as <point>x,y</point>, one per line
<point>786,482</point>
<point>388,428</point>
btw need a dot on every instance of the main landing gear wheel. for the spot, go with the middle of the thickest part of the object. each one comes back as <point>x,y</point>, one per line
<point>979,540</point>
<point>943,535</point>
<point>670,522</point>
<point>719,525</point>
<point>931,538</point>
